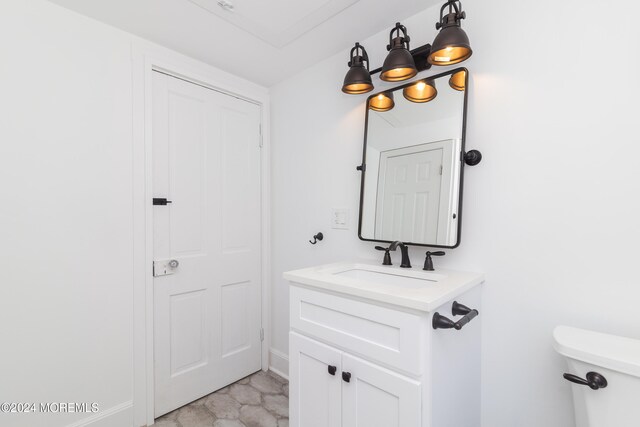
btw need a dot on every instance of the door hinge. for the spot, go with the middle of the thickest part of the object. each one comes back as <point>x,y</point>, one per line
<point>260,127</point>
<point>261,334</point>
<point>441,168</point>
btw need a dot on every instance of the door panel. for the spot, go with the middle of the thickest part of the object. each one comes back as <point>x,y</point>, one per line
<point>187,172</point>
<point>236,335</point>
<point>187,311</point>
<point>237,175</point>
<point>315,400</point>
<point>206,160</point>
<point>377,397</point>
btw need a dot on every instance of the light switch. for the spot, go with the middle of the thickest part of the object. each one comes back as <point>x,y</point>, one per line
<point>340,218</point>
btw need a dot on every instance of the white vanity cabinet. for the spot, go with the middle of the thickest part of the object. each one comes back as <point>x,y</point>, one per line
<point>358,357</point>
<point>373,395</point>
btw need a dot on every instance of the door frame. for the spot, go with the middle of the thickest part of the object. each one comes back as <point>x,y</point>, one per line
<point>147,58</point>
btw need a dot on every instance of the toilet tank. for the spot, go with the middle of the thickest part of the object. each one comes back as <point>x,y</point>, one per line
<point>615,358</point>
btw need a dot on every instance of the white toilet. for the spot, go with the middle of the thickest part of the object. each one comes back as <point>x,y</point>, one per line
<point>605,370</point>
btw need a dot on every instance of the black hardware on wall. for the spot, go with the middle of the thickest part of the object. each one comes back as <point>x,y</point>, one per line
<point>161,202</point>
<point>316,238</point>
<point>428,262</point>
<point>472,157</point>
<point>346,377</point>
<point>441,322</point>
<point>332,369</point>
<point>594,380</point>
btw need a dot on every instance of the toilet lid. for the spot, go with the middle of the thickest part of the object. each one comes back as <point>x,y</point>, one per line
<point>609,351</point>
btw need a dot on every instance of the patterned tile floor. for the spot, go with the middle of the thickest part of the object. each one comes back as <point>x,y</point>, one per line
<point>259,400</point>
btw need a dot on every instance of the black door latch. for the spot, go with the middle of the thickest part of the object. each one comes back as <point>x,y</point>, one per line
<point>160,202</point>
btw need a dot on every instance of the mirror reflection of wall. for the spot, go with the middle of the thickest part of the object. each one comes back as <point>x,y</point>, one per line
<point>412,176</point>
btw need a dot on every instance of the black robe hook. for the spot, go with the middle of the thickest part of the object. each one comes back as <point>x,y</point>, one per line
<point>317,237</point>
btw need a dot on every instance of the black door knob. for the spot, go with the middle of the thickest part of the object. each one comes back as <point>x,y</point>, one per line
<point>332,369</point>
<point>346,377</point>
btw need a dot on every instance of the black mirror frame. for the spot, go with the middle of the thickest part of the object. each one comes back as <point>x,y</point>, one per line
<point>363,166</point>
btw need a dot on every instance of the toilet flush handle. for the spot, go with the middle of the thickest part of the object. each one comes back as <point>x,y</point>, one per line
<point>594,380</point>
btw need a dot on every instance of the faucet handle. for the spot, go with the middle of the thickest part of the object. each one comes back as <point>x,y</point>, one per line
<point>428,262</point>
<point>387,255</point>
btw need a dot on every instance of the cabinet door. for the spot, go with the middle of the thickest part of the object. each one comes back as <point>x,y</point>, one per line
<point>377,397</point>
<point>315,393</point>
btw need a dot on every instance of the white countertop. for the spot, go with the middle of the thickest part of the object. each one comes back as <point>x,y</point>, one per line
<point>415,288</point>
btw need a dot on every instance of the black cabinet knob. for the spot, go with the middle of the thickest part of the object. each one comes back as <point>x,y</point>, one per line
<point>346,377</point>
<point>332,369</point>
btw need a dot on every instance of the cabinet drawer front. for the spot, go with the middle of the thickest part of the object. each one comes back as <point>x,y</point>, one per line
<point>391,337</point>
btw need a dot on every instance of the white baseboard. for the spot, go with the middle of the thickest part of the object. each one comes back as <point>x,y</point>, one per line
<point>117,416</point>
<point>279,363</point>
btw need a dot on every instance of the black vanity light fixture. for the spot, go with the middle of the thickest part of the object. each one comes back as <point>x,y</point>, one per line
<point>358,79</point>
<point>451,46</point>
<point>382,102</point>
<point>399,64</point>
<point>421,91</point>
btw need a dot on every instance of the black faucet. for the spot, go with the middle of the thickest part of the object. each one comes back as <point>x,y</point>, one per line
<point>428,262</point>
<point>387,256</point>
<point>405,253</point>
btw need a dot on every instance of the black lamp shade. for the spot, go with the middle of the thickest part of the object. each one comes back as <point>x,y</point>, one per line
<point>382,102</point>
<point>451,45</point>
<point>357,80</point>
<point>420,92</point>
<point>458,81</point>
<point>399,64</point>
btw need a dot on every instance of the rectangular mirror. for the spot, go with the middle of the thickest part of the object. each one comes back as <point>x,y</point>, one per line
<point>412,175</point>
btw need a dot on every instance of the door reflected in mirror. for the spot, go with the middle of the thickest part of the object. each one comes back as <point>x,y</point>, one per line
<point>411,185</point>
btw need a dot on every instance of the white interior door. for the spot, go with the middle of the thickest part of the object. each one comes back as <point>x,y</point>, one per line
<point>377,397</point>
<point>413,201</point>
<point>315,373</point>
<point>207,313</point>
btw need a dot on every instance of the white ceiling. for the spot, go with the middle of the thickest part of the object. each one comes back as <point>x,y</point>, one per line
<point>262,41</point>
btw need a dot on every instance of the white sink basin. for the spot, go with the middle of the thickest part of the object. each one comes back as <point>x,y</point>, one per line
<point>406,287</point>
<point>387,278</point>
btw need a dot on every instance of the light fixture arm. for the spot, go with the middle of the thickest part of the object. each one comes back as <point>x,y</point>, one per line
<point>401,31</point>
<point>357,57</point>
<point>455,7</point>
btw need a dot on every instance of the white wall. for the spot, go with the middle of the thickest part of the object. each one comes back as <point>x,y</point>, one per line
<point>66,253</point>
<point>71,196</point>
<point>551,212</point>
